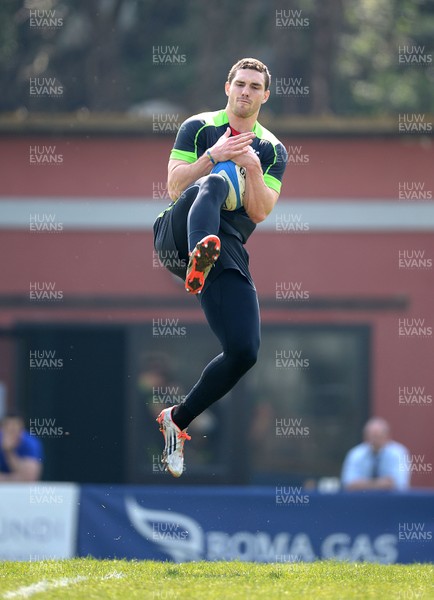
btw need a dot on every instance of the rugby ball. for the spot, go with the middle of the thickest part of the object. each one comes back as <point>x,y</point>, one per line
<point>236,178</point>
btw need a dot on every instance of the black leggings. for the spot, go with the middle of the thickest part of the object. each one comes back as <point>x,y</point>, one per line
<point>231,307</point>
<point>197,212</point>
<point>229,301</point>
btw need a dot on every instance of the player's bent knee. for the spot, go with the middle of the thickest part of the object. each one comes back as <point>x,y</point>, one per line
<point>217,187</point>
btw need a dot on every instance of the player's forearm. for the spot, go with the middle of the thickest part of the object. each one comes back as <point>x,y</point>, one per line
<point>381,483</point>
<point>183,174</point>
<point>357,484</point>
<point>14,477</point>
<point>259,199</point>
<point>13,461</point>
<point>21,469</point>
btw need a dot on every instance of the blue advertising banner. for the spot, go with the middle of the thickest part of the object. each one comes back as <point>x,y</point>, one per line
<point>261,524</point>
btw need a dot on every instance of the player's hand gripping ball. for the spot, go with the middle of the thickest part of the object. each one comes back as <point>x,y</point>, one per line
<point>236,178</point>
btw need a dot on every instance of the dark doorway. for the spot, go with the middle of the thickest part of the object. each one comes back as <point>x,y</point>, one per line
<point>70,387</point>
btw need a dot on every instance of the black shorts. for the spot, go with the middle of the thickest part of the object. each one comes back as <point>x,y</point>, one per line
<point>233,255</point>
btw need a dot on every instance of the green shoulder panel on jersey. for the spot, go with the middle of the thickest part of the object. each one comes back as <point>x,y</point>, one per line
<point>189,157</point>
<point>264,134</point>
<point>220,118</point>
<point>272,182</point>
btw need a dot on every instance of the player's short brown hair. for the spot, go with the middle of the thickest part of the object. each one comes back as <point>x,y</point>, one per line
<point>255,65</point>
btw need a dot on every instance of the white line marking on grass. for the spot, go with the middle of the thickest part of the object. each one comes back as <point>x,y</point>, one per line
<point>42,586</point>
<point>114,575</point>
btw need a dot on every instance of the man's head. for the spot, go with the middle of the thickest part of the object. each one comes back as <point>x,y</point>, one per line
<point>247,87</point>
<point>12,427</point>
<point>12,422</point>
<point>254,65</point>
<point>376,433</point>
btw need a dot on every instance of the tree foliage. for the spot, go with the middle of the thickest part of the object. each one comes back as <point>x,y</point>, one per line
<point>109,54</point>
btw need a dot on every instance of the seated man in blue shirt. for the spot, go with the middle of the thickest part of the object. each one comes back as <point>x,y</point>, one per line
<point>20,452</point>
<point>378,463</point>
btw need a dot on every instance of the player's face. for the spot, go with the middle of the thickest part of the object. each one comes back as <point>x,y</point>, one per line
<point>246,92</point>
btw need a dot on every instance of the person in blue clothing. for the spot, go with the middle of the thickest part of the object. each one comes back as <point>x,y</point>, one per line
<point>378,463</point>
<point>20,452</point>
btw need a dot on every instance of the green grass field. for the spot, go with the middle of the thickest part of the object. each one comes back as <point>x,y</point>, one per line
<point>90,579</point>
